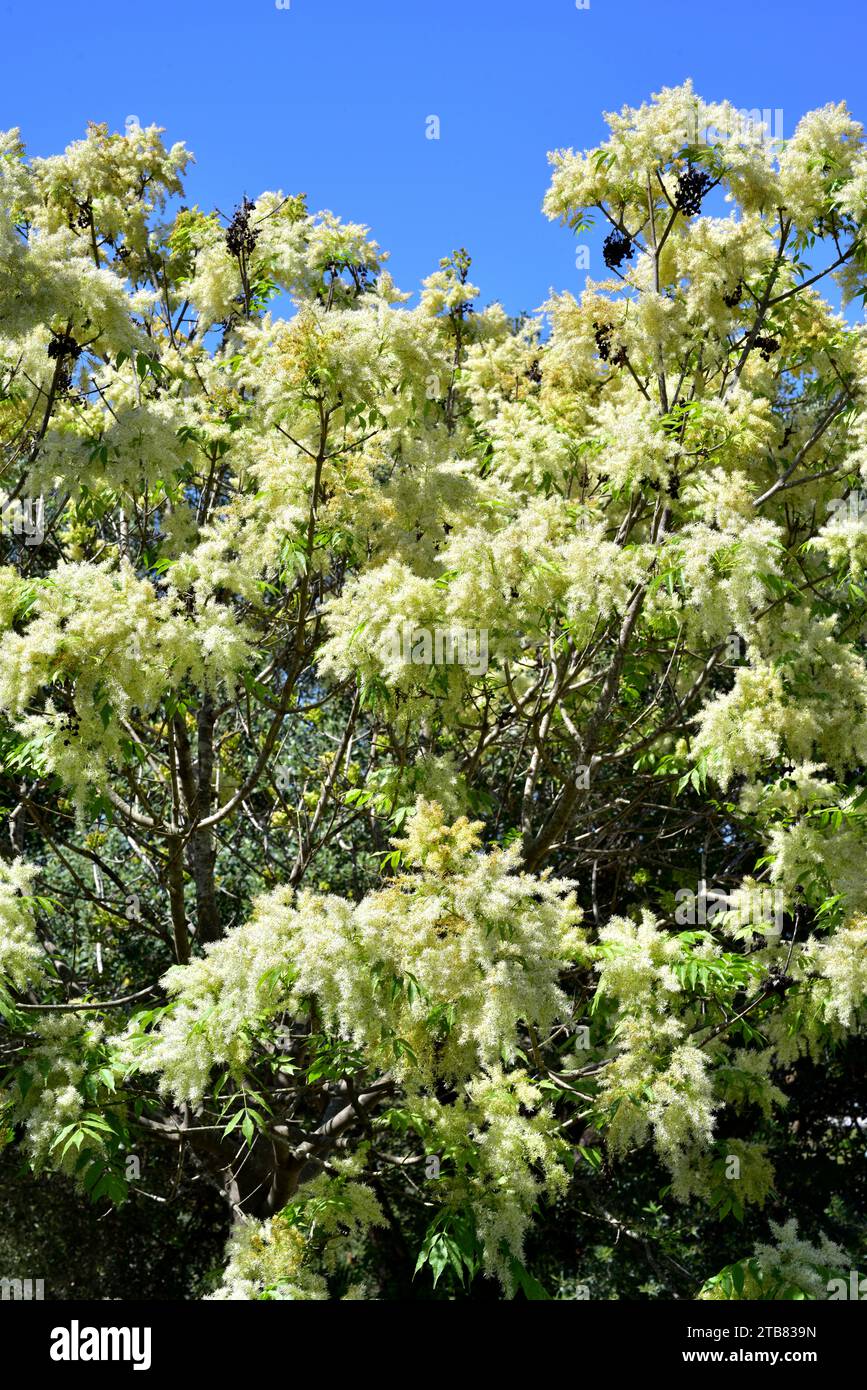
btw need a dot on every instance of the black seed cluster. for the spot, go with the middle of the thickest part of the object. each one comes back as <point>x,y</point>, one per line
<point>734,296</point>
<point>602,334</point>
<point>617,248</point>
<point>63,345</point>
<point>85,213</point>
<point>692,185</point>
<point>362,274</point>
<point>767,345</point>
<point>71,726</point>
<point>240,236</point>
<point>63,348</point>
<point>777,981</point>
<point>534,372</point>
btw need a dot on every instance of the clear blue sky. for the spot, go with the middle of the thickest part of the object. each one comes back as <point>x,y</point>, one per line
<point>330,97</point>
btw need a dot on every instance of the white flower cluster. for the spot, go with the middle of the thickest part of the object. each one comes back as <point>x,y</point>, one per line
<point>21,954</point>
<point>791,1260</point>
<point>775,708</point>
<point>658,1080</point>
<point>841,963</point>
<point>431,976</point>
<point>52,1096</point>
<point>103,635</point>
<point>501,1155</point>
<point>274,1259</point>
<point>266,1259</point>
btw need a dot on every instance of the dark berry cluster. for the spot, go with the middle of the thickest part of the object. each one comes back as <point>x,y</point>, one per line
<point>617,248</point>
<point>85,213</point>
<point>767,345</point>
<point>63,348</point>
<point>534,372</point>
<point>240,236</point>
<point>734,296</point>
<point>692,185</point>
<point>777,981</point>
<point>602,334</point>
<point>63,345</point>
<point>362,275</point>
<point>71,726</point>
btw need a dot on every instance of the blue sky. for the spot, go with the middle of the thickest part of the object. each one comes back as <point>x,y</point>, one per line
<point>331,97</point>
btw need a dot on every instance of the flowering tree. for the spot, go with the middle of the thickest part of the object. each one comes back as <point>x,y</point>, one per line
<point>471,713</point>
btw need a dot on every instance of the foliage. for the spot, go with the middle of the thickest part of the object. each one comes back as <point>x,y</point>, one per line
<point>433,745</point>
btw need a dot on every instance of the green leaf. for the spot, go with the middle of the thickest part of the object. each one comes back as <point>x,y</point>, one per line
<point>527,1283</point>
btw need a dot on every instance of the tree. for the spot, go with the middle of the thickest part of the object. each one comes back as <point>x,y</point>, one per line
<point>471,713</point>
